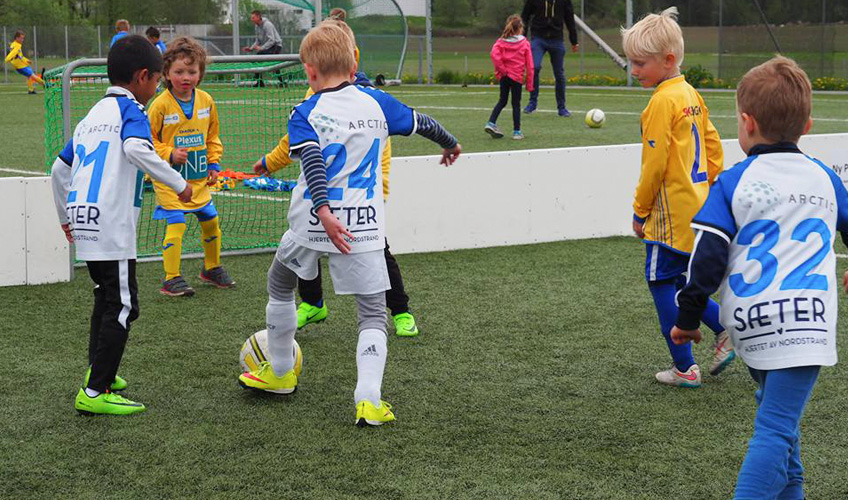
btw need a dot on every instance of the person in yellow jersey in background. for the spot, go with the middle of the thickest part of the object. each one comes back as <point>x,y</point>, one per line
<point>184,122</point>
<point>312,308</point>
<point>16,58</point>
<point>681,158</point>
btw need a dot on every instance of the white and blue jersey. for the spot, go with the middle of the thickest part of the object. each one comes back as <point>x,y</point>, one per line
<point>350,125</point>
<point>766,233</point>
<point>97,182</point>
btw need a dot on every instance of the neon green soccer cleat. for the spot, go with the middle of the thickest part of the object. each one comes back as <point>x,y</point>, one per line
<point>118,385</point>
<point>106,403</point>
<point>264,379</point>
<point>405,325</point>
<point>368,414</point>
<point>307,313</point>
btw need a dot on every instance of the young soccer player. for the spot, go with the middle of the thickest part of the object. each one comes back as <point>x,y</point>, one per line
<point>21,64</point>
<point>122,29</point>
<point>154,36</point>
<point>337,209</point>
<point>312,308</point>
<point>765,239</point>
<point>681,157</point>
<point>184,121</point>
<point>513,59</point>
<point>97,186</point>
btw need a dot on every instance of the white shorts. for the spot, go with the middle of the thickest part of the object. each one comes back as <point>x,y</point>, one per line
<point>353,274</point>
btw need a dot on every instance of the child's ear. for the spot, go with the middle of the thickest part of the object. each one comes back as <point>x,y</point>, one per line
<point>749,123</point>
<point>808,126</point>
<point>311,74</point>
<point>670,60</point>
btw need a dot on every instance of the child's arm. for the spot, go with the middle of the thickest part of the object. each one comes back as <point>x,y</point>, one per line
<point>497,61</point>
<point>275,160</point>
<point>16,49</point>
<point>429,128</point>
<point>528,63</point>
<point>715,152</point>
<point>656,138</point>
<point>214,147</point>
<point>60,178</point>
<point>156,115</point>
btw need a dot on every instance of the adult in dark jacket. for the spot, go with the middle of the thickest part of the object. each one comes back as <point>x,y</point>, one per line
<point>544,20</point>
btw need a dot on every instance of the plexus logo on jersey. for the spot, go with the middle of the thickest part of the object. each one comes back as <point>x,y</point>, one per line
<point>188,141</point>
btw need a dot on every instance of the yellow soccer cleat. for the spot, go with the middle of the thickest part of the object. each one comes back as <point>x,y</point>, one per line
<point>368,414</point>
<point>264,379</point>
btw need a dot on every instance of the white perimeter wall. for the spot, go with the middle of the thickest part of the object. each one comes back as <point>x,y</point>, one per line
<point>511,198</point>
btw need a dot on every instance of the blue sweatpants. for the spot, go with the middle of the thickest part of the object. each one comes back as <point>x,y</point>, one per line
<point>772,467</point>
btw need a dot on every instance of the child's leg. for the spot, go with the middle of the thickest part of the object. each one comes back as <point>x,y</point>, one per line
<point>664,293</point>
<point>36,79</point>
<point>396,298</point>
<point>172,249</point>
<point>504,97</point>
<point>30,85</point>
<point>119,306</point>
<point>281,317</point>
<point>371,349</point>
<point>516,105</point>
<point>96,315</point>
<point>775,445</point>
<point>711,313</point>
<point>210,231</point>
<point>311,291</point>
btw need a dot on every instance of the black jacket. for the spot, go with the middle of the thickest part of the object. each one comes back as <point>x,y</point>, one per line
<point>544,18</point>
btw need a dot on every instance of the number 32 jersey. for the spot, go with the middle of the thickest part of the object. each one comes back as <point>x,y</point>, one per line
<point>350,124</point>
<point>779,212</point>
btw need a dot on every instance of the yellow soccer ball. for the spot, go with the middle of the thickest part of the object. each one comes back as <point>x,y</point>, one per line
<point>595,118</point>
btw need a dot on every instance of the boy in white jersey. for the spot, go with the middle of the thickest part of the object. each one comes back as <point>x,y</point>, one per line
<point>337,209</point>
<point>97,187</point>
<point>765,237</point>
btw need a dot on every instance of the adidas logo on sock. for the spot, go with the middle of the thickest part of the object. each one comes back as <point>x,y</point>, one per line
<point>370,351</point>
<point>294,262</point>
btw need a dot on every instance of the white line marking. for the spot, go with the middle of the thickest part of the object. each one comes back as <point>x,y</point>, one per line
<point>841,256</point>
<point>18,171</point>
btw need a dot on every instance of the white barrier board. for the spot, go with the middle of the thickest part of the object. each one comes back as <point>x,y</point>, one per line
<point>13,248</point>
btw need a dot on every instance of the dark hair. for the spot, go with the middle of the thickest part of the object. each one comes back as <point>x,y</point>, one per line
<point>153,32</point>
<point>19,33</point>
<point>130,54</point>
<point>257,12</point>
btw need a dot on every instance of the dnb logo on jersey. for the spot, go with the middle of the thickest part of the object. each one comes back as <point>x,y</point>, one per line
<point>196,164</point>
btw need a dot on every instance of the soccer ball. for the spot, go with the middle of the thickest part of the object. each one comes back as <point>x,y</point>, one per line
<point>255,351</point>
<point>595,118</point>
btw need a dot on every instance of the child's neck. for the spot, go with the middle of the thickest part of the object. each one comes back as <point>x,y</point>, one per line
<point>328,82</point>
<point>671,74</point>
<point>185,97</point>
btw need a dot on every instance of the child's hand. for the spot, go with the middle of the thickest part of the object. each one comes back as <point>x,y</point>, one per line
<point>179,156</point>
<point>259,168</point>
<point>70,237</point>
<point>212,178</point>
<point>638,228</point>
<point>680,337</point>
<point>185,196</point>
<point>335,229</point>
<point>450,155</point>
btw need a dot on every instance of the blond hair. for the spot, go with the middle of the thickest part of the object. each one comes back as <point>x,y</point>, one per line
<point>122,25</point>
<point>184,47</point>
<point>655,35</point>
<point>324,49</point>
<point>778,94</point>
<point>514,26</point>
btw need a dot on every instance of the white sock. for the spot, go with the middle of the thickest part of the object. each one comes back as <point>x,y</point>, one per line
<point>281,321</point>
<point>371,352</point>
<point>91,393</point>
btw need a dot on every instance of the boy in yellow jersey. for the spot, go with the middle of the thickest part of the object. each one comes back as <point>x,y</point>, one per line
<point>21,64</point>
<point>681,158</point>
<point>312,308</point>
<point>184,122</point>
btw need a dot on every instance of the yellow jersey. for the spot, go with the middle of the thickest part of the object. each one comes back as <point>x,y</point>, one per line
<point>16,56</point>
<point>681,158</point>
<point>172,128</point>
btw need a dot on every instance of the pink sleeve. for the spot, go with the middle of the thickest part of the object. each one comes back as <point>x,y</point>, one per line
<point>497,60</point>
<point>528,61</point>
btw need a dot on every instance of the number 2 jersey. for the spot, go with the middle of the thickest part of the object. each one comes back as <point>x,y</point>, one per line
<point>776,214</point>
<point>97,184</point>
<point>681,157</point>
<point>350,124</point>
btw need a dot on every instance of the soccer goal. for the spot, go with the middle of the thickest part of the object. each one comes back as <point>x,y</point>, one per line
<point>254,96</point>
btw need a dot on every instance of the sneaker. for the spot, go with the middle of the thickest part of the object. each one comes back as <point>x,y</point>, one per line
<point>368,414</point>
<point>493,130</point>
<point>31,92</point>
<point>691,378</point>
<point>176,287</point>
<point>517,135</point>
<point>217,276</point>
<point>564,112</point>
<point>531,107</point>
<point>106,403</point>
<point>405,325</point>
<point>724,353</point>
<point>119,384</point>
<point>307,313</point>
<point>264,379</point>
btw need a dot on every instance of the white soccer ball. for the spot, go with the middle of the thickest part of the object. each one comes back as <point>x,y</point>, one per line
<point>595,118</point>
<point>255,351</point>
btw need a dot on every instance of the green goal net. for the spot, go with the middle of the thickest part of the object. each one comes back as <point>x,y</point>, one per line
<point>254,99</point>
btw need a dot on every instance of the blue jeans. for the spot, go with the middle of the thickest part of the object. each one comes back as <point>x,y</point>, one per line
<point>556,48</point>
<point>772,467</point>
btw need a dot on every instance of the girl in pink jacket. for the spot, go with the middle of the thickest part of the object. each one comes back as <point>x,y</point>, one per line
<point>513,61</point>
